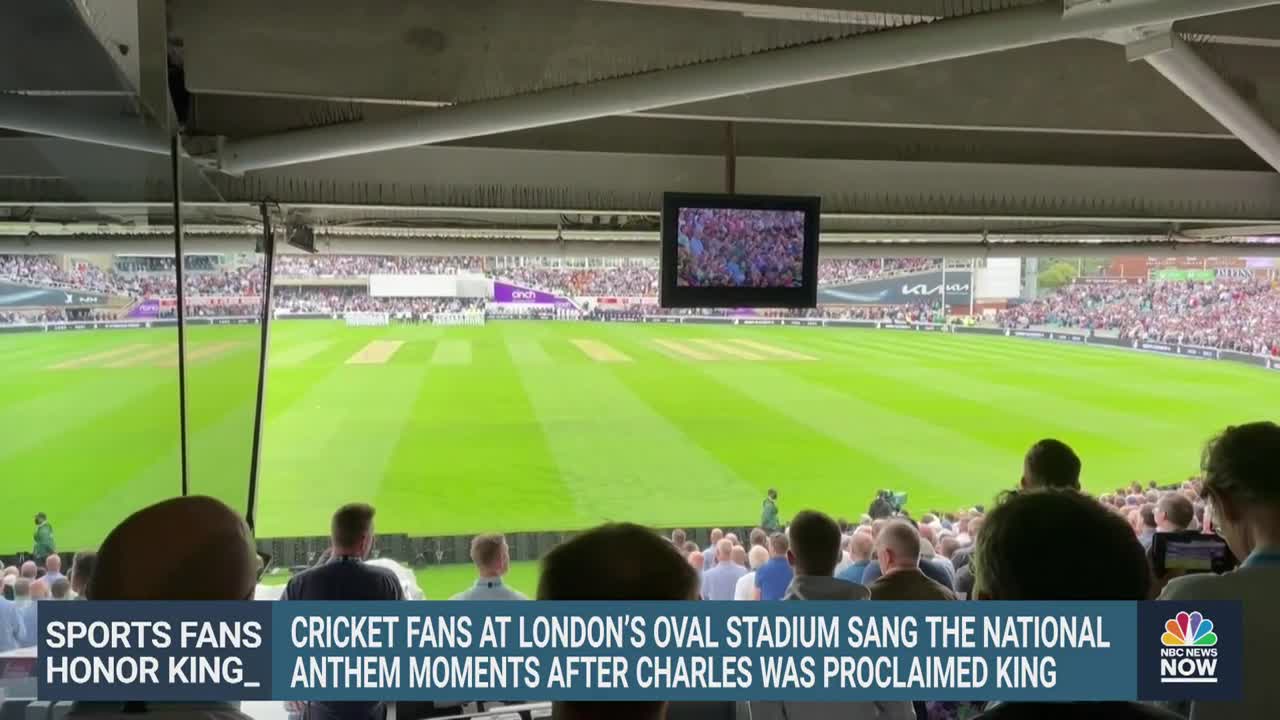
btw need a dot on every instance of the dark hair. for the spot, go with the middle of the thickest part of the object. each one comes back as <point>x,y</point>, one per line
<point>1178,509</point>
<point>1242,462</point>
<point>351,524</point>
<point>773,494</point>
<point>587,567</point>
<point>1052,464</point>
<point>82,567</point>
<point>41,517</point>
<point>1008,559</point>
<point>815,542</point>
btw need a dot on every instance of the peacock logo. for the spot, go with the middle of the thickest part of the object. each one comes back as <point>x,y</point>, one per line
<point>1189,630</point>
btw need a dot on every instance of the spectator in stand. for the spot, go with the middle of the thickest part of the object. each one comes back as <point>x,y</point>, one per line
<point>861,545</point>
<point>739,556</point>
<point>696,562</point>
<point>1011,566</point>
<point>1147,530</point>
<point>760,538</point>
<point>346,577</point>
<point>492,560</point>
<point>898,555</point>
<point>1051,464</point>
<point>11,632</point>
<point>29,570</point>
<point>721,579</point>
<point>82,571</point>
<point>815,547</point>
<point>813,554</point>
<point>1240,481</point>
<point>845,561</point>
<point>960,557</point>
<point>1174,513</point>
<point>678,538</point>
<point>587,568</point>
<point>774,576</point>
<point>60,589</point>
<point>53,569</point>
<point>745,589</point>
<point>24,603</point>
<point>188,548</point>
<point>709,556</point>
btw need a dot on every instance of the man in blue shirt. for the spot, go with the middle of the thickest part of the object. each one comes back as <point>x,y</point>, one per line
<point>773,577</point>
<point>25,605</point>
<point>860,552</point>
<point>719,582</point>
<point>10,626</point>
<point>492,559</point>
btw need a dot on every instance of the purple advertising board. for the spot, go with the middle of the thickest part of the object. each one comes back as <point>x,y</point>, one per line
<point>504,292</point>
<point>146,309</point>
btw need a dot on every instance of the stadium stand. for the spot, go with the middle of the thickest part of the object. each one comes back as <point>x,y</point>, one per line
<point>1246,513</point>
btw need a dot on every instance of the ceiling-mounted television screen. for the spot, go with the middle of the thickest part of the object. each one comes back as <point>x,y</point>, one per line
<point>739,251</point>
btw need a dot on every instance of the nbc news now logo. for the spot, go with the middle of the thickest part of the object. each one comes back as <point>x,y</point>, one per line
<point>1190,653</point>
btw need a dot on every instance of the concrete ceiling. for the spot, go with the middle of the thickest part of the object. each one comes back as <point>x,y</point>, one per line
<point>1064,137</point>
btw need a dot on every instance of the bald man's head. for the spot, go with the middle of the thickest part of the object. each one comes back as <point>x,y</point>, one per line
<point>898,546</point>
<point>29,570</point>
<point>192,548</point>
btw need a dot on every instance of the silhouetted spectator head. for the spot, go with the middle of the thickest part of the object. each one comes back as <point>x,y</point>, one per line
<point>815,543</point>
<point>1051,464</point>
<point>738,556</point>
<point>1009,563</point>
<point>716,535</point>
<point>60,589</point>
<point>759,537</point>
<point>758,556</point>
<point>1240,468</point>
<point>588,568</point>
<point>188,548</point>
<point>22,588</point>
<point>352,530</point>
<point>678,538</point>
<point>1173,513</point>
<point>29,570</point>
<point>53,563</point>
<point>490,555</point>
<point>898,547</point>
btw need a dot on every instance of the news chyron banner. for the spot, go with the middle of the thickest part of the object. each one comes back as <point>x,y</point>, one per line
<point>800,651</point>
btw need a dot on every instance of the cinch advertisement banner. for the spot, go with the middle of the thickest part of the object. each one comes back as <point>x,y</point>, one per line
<point>803,651</point>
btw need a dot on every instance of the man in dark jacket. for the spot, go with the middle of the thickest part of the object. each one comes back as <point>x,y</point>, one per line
<point>44,546</point>
<point>346,577</point>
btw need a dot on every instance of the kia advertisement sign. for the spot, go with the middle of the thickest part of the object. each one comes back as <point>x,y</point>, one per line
<point>917,288</point>
<point>506,293</point>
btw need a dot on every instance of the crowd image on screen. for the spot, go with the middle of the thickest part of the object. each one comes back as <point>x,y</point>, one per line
<point>727,247</point>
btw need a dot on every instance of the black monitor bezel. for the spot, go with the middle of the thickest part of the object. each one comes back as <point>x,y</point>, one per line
<point>805,296</point>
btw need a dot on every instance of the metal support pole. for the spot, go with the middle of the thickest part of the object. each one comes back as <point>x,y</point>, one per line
<point>268,269</point>
<point>175,159</point>
<point>730,159</point>
<point>973,283</point>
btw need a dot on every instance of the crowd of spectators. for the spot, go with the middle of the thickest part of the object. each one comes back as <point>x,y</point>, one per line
<point>357,265</point>
<point>1238,314</point>
<point>982,553</point>
<point>837,271</point>
<point>721,247</point>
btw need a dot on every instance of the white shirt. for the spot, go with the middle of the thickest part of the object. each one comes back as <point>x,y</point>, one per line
<point>746,587</point>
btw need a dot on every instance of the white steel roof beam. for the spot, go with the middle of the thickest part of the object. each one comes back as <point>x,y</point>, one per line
<point>858,55</point>
<point>1173,58</point>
